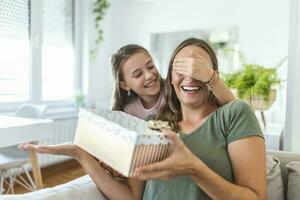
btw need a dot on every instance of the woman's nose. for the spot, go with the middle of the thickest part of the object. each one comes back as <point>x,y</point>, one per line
<point>187,78</point>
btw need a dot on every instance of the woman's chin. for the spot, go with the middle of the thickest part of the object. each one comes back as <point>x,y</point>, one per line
<point>191,101</point>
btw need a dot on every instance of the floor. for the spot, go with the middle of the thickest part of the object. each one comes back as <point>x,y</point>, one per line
<point>57,174</point>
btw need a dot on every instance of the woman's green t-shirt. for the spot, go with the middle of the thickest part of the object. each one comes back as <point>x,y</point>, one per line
<point>208,142</point>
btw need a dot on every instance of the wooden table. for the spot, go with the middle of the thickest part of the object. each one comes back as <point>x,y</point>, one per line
<point>14,130</point>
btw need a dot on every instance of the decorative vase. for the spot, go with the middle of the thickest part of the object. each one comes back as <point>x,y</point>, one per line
<point>258,103</point>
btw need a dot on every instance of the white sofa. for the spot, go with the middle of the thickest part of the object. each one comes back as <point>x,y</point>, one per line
<point>82,188</point>
<point>279,179</point>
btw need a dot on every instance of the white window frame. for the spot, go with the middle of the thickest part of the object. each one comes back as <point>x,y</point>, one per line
<point>36,34</point>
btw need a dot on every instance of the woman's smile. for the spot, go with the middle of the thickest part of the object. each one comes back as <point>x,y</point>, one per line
<point>190,89</point>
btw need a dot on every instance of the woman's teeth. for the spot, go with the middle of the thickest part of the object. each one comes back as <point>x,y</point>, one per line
<point>190,88</point>
<point>150,84</point>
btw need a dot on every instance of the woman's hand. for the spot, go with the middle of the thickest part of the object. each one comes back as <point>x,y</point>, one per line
<point>195,66</point>
<point>67,149</point>
<point>181,162</point>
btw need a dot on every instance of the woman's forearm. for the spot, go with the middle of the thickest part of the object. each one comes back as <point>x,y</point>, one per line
<point>110,187</point>
<point>219,188</point>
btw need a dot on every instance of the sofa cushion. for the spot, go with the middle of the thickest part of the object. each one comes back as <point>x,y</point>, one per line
<point>78,189</point>
<point>293,191</point>
<point>285,158</point>
<point>274,179</point>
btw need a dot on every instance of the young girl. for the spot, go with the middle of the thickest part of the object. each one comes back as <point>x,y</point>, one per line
<point>138,91</point>
<point>138,84</point>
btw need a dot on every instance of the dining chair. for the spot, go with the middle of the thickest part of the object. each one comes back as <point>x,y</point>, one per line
<point>13,161</point>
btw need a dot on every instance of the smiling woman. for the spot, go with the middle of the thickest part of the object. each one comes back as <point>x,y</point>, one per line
<point>220,149</point>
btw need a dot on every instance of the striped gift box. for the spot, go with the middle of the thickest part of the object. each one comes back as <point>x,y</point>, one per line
<point>121,141</point>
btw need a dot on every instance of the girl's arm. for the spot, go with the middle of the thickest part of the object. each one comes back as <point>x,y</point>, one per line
<point>108,185</point>
<point>223,94</point>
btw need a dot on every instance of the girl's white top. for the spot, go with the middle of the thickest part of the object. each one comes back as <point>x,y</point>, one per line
<point>137,109</point>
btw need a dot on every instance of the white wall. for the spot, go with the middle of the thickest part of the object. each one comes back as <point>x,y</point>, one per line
<point>98,84</point>
<point>263,25</point>
<point>263,33</point>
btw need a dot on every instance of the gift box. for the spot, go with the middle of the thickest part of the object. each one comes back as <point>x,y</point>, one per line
<point>121,141</point>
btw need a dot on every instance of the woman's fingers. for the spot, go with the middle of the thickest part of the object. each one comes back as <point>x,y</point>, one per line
<point>165,174</point>
<point>38,148</point>
<point>159,166</point>
<point>173,166</point>
<point>27,146</point>
<point>173,137</point>
<point>154,171</point>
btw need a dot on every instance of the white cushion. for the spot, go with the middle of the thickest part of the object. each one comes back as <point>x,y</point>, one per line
<point>78,189</point>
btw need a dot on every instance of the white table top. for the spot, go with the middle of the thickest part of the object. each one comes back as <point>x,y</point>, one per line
<point>14,130</point>
<point>11,121</point>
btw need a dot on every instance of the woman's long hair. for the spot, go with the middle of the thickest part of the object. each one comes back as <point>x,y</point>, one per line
<point>171,108</point>
<point>120,96</point>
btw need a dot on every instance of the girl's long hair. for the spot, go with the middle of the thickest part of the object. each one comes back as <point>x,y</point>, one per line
<point>120,96</point>
<point>171,108</point>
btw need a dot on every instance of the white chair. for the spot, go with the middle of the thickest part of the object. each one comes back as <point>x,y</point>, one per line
<point>13,161</point>
<point>31,111</point>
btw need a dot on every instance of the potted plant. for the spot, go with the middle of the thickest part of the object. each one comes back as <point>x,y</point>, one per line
<point>255,84</point>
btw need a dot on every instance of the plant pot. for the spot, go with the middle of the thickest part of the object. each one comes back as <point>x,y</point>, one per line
<point>258,102</point>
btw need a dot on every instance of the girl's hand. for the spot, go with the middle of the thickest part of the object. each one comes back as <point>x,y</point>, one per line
<point>195,66</point>
<point>67,149</point>
<point>181,162</point>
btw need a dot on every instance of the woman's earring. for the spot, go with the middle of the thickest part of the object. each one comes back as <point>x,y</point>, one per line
<point>128,93</point>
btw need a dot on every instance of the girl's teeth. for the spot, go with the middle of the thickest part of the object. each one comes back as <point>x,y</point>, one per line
<point>151,84</point>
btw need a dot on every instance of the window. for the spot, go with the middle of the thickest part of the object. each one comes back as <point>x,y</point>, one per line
<point>37,61</point>
<point>14,50</point>
<point>57,50</point>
